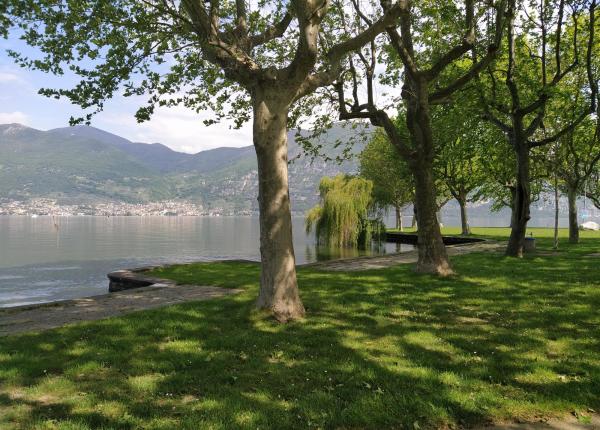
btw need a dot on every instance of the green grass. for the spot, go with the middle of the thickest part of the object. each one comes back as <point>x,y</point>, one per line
<point>545,236</point>
<point>505,339</point>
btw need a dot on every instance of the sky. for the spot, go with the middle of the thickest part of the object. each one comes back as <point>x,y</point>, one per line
<point>178,128</point>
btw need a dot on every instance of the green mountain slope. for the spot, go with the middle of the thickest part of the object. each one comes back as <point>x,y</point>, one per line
<point>87,165</point>
<point>40,164</point>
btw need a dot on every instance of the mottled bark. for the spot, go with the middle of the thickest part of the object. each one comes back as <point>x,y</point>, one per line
<point>278,285</point>
<point>521,203</point>
<point>573,224</point>
<point>433,257</point>
<point>513,193</point>
<point>432,252</point>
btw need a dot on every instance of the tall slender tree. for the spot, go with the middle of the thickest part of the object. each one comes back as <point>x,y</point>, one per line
<point>242,62</point>
<point>592,188</point>
<point>461,137</point>
<point>576,153</point>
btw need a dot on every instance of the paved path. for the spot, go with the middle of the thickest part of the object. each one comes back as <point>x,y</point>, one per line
<point>568,423</point>
<point>45,316</point>
<point>366,263</point>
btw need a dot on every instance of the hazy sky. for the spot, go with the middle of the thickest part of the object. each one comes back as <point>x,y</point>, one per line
<point>178,128</point>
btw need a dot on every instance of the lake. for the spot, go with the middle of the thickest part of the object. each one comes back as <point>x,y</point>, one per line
<point>54,258</point>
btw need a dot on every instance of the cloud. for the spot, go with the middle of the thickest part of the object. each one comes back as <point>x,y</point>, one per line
<point>8,77</point>
<point>11,117</point>
<point>179,128</point>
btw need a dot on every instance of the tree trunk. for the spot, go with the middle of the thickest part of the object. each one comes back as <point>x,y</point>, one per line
<point>399,225</point>
<point>556,211</point>
<point>573,224</point>
<point>278,285</point>
<point>433,257</point>
<point>413,223</point>
<point>432,251</point>
<point>465,230</point>
<point>522,200</point>
<point>513,194</point>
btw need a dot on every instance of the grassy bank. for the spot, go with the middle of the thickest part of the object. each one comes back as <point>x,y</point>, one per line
<point>504,339</point>
<point>502,233</point>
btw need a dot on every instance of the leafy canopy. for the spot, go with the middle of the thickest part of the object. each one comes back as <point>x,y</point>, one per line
<point>202,55</point>
<point>392,180</point>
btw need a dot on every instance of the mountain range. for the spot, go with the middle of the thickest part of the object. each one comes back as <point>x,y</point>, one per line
<point>86,165</point>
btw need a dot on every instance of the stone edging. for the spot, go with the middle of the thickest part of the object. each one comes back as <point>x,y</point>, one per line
<point>412,238</point>
<point>127,279</point>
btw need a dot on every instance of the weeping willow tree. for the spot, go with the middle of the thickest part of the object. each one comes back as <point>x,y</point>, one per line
<point>342,216</point>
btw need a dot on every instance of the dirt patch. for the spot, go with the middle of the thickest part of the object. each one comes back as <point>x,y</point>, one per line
<point>569,423</point>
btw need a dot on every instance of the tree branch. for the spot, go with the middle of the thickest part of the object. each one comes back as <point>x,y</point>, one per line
<point>476,68</point>
<point>273,32</point>
<point>459,50</point>
<point>337,52</point>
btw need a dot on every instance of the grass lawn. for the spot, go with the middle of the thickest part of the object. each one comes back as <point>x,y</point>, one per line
<point>502,233</point>
<point>505,339</point>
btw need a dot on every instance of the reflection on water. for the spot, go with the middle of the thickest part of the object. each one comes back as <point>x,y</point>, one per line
<point>46,259</point>
<point>323,253</point>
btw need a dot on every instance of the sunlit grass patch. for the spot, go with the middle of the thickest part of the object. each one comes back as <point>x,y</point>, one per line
<point>383,348</point>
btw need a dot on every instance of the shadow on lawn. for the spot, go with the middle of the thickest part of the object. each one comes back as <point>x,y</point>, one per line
<point>379,349</point>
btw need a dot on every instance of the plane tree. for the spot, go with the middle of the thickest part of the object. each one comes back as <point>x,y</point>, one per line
<point>255,61</point>
<point>499,174</point>
<point>575,162</point>
<point>461,137</point>
<point>431,55</point>
<point>546,42</point>
<point>575,155</point>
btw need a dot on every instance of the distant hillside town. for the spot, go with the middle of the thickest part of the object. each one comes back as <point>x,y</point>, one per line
<point>40,207</point>
<point>86,170</point>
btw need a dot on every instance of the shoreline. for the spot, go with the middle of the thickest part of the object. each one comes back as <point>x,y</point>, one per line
<point>135,290</point>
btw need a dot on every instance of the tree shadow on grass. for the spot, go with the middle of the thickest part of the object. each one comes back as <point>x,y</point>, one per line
<point>379,349</point>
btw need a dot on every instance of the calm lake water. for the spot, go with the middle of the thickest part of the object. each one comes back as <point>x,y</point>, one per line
<point>53,258</point>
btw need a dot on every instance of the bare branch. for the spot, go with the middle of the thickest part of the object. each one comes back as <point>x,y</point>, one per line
<point>241,17</point>
<point>458,51</point>
<point>476,68</point>
<point>592,82</point>
<point>340,50</point>
<point>337,52</point>
<point>273,32</point>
